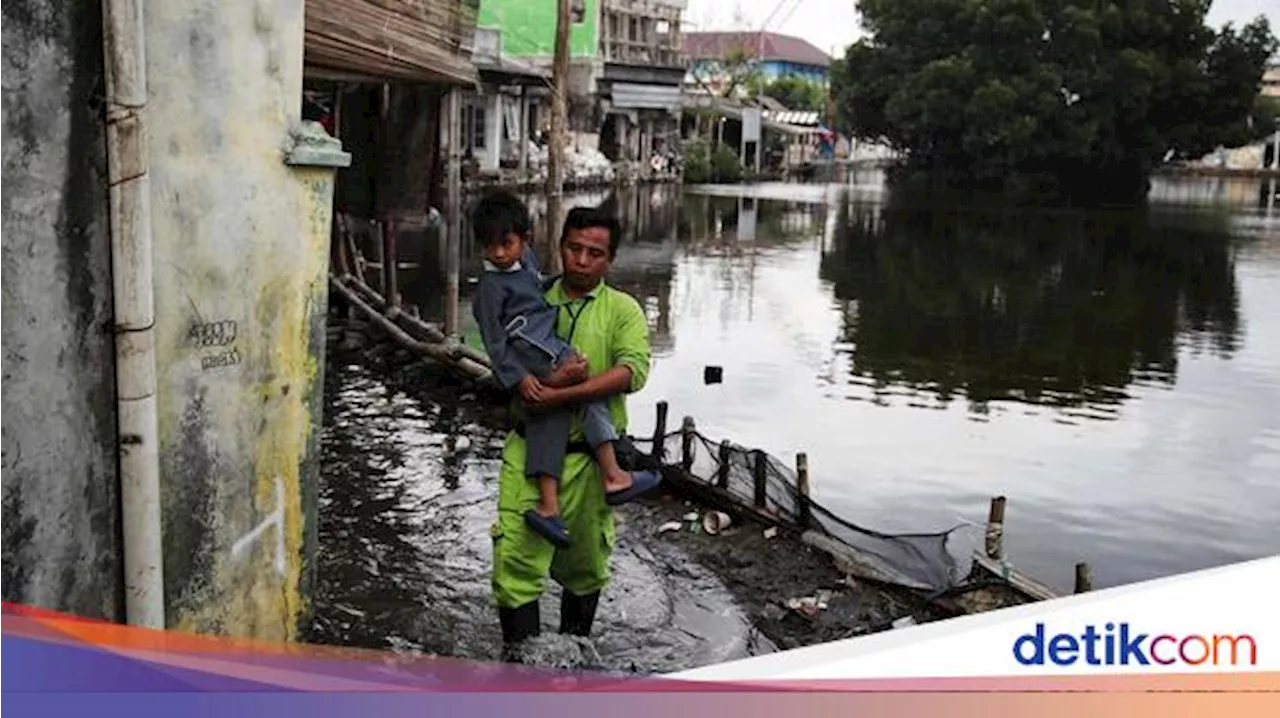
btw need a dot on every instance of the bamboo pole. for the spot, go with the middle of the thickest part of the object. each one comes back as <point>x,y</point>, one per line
<point>438,352</point>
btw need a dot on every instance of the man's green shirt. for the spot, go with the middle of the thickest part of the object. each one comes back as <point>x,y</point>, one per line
<point>609,328</point>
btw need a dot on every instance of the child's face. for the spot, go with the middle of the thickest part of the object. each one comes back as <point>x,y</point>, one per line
<point>506,252</point>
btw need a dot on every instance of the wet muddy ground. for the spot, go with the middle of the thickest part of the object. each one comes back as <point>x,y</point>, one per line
<point>410,459</point>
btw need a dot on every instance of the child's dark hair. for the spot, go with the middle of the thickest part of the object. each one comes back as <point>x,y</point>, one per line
<point>591,217</point>
<point>498,214</point>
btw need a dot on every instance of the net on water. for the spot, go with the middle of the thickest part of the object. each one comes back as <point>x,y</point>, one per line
<point>758,481</point>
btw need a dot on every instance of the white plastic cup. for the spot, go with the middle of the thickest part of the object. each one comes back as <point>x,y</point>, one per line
<point>713,522</point>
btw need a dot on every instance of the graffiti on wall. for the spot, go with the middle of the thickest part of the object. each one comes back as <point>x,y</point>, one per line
<point>216,341</point>
<point>275,520</point>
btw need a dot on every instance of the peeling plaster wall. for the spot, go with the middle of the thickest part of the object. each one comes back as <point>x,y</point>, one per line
<point>61,536</point>
<point>241,267</point>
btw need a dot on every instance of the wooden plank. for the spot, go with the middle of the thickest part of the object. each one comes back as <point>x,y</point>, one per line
<point>1018,580</point>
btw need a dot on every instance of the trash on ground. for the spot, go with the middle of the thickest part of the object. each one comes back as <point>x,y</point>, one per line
<point>713,522</point>
<point>771,532</point>
<point>904,622</point>
<point>670,526</point>
<point>807,606</point>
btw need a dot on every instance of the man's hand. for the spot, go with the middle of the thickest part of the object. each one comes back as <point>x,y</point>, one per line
<point>571,371</point>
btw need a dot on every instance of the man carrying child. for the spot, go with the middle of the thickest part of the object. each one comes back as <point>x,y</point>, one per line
<point>579,345</point>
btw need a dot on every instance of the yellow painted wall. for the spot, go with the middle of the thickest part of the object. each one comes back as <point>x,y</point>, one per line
<point>241,264</point>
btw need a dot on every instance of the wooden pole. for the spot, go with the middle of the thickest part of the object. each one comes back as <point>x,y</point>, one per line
<point>453,240</point>
<point>660,432</point>
<point>1084,578</point>
<point>760,472</point>
<point>688,430</point>
<point>555,146</point>
<point>390,263</point>
<point>722,471</point>
<point>802,485</point>
<point>995,528</point>
<point>524,134</point>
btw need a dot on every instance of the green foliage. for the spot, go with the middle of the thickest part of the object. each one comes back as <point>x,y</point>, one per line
<point>697,162</point>
<point>796,93</point>
<point>702,165</point>
<point>725,165</point>
<point>1075,97</point>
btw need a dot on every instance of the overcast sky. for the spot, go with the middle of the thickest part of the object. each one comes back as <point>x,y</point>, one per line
<point>833,24</point>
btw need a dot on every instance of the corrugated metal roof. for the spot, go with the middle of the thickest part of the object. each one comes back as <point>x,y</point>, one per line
<point>761,45</point>
<point>629,96</point>
<point>793,117</point>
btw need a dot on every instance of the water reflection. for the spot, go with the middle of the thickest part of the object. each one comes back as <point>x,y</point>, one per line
<point>1114,373</point>
<point>1065,309</point>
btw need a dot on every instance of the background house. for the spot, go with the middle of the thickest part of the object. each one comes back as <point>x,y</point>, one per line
<point>774,55</point>
<point>626,68</point>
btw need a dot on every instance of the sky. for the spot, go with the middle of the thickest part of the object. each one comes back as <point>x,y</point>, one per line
<point>833,24</point>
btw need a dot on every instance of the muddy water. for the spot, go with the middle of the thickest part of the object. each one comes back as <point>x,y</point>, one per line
<point>1115,375</point>
<point>408,497</point>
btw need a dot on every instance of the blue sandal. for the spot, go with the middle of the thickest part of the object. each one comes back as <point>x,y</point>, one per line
<point>551,528</point>
<point>642,482</point>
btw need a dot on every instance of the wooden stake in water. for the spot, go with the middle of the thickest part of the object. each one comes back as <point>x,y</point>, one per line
<point>760,472</point>
<point>995,528</point>
<point>1084,578</point>
<point>688,432</point>
<point>802,486</point>
<point>722,471</point>
<point>660,432</point>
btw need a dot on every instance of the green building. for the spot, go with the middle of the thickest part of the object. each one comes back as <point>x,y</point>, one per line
<point>626,69</point>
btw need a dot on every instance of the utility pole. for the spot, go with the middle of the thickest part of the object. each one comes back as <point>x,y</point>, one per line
<point>555,147</point>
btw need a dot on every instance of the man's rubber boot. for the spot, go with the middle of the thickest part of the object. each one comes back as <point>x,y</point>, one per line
<point>577,613</point>
<point>518,624</point>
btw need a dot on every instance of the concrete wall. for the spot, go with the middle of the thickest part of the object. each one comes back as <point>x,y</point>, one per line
<point>241,266</point>
<point>59,523</point>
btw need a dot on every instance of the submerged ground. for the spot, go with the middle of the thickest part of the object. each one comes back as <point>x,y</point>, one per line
<point>410,463</point>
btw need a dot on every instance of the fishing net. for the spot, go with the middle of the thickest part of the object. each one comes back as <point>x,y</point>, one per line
<point>760,483</point>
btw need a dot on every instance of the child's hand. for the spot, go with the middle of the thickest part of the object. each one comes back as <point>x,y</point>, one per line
<point>531,390</point>
<point>571,371</point>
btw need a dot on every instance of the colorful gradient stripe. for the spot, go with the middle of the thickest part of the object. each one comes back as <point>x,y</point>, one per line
<point>56,664</point>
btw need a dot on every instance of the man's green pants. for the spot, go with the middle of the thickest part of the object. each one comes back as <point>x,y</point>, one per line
<point>522,559</point>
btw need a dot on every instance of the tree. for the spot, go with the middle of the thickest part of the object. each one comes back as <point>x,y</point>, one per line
<point>796,93</point>
<point>1081,98</point>
<point>737,70</point>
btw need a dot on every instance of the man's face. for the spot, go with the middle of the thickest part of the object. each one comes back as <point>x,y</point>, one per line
<point>585,253</point>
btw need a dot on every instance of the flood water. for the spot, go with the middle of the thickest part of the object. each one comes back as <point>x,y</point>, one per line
<point>1115,375</point>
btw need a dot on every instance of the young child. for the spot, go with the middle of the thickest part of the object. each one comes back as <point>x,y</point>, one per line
<point>519,331</point>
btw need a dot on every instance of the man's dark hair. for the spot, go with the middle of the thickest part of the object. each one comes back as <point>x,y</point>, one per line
<point>498,214</point>
<point>593,217</point>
